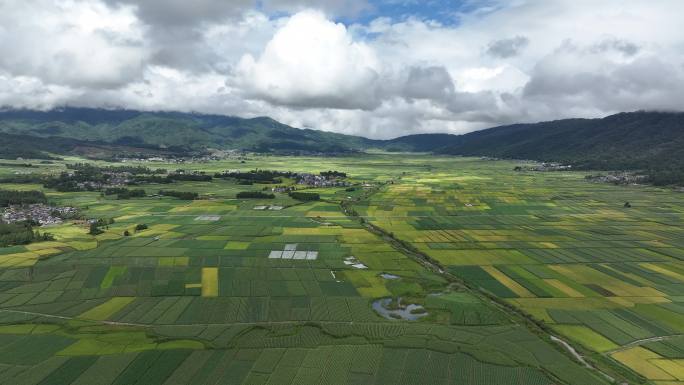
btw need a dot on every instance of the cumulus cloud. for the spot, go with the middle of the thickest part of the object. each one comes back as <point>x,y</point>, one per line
<point>70,44</point>
<point>312,62</point>
<point>296,61</point>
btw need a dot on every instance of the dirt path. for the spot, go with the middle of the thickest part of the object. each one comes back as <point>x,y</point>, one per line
<point>643,341</point>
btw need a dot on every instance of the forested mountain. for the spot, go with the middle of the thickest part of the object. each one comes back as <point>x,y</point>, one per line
<point>174,131</point>
<point>419,142</point>
<point>649,141</point>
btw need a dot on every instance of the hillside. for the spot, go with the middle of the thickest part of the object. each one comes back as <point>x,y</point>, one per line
<point>419,142</point>
<point>173,131</point>
<point>649,141</point>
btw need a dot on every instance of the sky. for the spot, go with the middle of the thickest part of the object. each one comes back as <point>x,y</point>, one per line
<point>379,69</point>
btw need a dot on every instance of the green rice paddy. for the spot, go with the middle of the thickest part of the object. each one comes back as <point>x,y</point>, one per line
<point>195,298</point>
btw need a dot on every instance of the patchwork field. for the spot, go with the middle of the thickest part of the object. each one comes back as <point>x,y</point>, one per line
<point>224,290</point>
<point>562,250</point>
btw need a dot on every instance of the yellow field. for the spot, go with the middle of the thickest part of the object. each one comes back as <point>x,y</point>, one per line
<point>567,290</point>
<point>664,271</point>
<point>107,309</point>
<point>173,261</point>
<point>673,367</point>
<point>508,282</point>
<point>209,282</point>
<point>639,360</point>
<point>235,245</point>
<point>587,337</point>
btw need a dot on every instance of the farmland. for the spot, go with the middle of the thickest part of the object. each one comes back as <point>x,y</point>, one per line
<point>279,291</point>
<point>568,253</point>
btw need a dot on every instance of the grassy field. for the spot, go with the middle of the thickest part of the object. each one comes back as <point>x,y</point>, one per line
<point>203,295</point>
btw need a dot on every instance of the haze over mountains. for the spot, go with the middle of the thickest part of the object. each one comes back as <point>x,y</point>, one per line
<point>636,140</point>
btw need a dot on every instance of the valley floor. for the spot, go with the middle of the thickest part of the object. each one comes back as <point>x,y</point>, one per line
<point>496,262</point>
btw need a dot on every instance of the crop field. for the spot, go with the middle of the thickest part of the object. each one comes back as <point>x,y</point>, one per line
<point>222,291</point>
<point>565,251</point>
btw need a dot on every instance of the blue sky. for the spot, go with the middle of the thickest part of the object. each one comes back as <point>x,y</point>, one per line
<point>444,11</point>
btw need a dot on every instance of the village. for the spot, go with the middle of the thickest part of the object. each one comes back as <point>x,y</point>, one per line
<point>544,167</point>
<point>39,213</point>
<point>312,180</point>
<point>619,178</point>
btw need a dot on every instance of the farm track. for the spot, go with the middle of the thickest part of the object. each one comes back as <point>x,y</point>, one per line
<point>140,325</point>
<point>643,341</point>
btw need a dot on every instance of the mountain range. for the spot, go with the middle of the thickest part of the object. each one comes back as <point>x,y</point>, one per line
<point>651,141</point>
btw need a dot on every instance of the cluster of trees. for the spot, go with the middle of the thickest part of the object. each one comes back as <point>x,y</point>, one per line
<point>257,176</point>
<point>96,226</point>
<point>194,177</point>
<point>138,227</point>
<point>124,193</point>
<point>183,195</point>
<point>304,196</point>
<point>6,164</point>
<point>158,179</point>
<point>67,182</point>
<point>86,177</point>
<point>21,233</point>
<point>135,170</point>
<point>666,176</point>
<point>23,179</point>
<point>114,190</point>
<point>172,177</point>
<point>334,174</point>
<point>12,197</point>
<point>254,195</point>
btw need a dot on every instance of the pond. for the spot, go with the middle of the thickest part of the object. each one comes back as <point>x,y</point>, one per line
<point>410,312</point>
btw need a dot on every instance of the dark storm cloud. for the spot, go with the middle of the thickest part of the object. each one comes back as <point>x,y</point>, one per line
<point>506,48</point>
<point>647,82</point>
<point>434,83</point>
<point>183,13</point>
<point>428,83</point>
<point>335,7</point>
<point>176,26</point>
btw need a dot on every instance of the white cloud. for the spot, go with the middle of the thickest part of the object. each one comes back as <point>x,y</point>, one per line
<point>526,60</point>
<point>312,62</point>
<point>70,43</point>
<point>30,92</point>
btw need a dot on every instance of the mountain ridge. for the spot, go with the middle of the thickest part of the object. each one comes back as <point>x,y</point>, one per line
<point>166,129</point>
<point>641,140</point>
